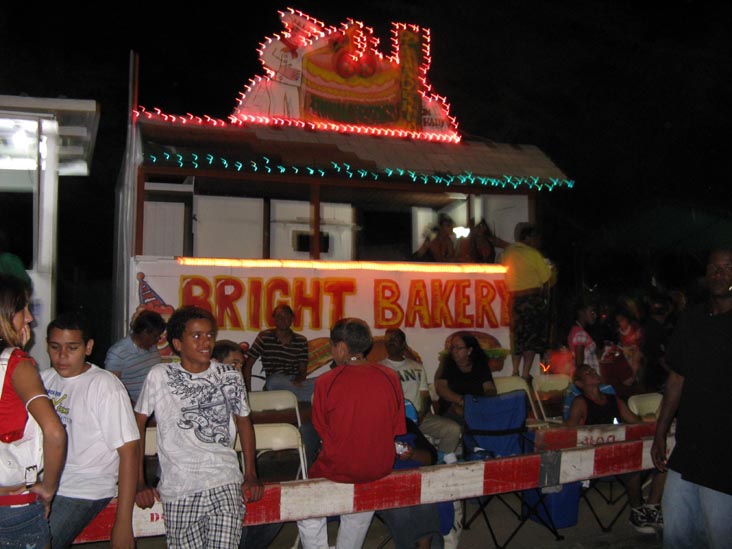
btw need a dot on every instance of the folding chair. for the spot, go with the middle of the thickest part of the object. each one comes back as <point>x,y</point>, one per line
<point>261,401</point>
<point>505,384</point>
<point>642,404</point>
<point>496,427</point>
<point>645,404</point>
<point>274,437</point>
<point>610,495</point>
<point>151,441</point>
<point>548,388</point>
<point>150,460</point>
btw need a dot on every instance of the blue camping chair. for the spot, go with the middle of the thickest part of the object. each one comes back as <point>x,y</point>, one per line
<point>609,494</point>
<point>496,427</point>
<point>574,391</point>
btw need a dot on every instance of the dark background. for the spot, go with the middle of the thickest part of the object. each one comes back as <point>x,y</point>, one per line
<point>629,99</point>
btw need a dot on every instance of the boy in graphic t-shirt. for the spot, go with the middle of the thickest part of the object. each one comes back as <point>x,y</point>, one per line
<point>199,406</point>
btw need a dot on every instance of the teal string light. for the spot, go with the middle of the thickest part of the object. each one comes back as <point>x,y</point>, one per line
<point>335,169</point>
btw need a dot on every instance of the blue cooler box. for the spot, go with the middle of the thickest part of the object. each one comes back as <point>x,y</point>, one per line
<point>563,505</point>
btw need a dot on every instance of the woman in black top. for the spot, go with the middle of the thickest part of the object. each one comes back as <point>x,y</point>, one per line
<point>463,371</point>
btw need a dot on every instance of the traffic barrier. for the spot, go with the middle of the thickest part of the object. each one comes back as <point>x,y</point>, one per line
<point>564,457</point>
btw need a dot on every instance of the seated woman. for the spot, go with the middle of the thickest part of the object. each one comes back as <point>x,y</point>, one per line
<point>462,371</point>
<point>595,407</point>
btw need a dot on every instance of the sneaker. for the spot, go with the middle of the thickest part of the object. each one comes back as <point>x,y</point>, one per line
<point>640,520</point>
<point>654,515</point>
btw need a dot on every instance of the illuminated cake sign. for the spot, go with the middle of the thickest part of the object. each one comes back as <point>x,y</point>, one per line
<point>336,78</point>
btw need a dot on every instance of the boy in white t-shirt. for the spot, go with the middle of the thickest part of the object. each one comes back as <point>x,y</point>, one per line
<point>101,462</point>
<point>199,406</point>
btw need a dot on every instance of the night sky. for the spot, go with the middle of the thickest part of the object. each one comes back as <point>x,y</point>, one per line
<point>629,99</point>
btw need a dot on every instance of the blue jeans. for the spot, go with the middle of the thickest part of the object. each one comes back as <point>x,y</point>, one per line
<point>260,535</point>
<point>695,516</point>
<point>278,382</point>
<point>24,527</point>
<point>407,525</point>
<point>69,516</point>
<point>311,441</point>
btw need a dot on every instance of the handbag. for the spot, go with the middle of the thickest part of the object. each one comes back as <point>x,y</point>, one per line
<point>21,460</point>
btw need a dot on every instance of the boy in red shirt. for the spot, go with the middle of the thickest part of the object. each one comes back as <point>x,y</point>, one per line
<point>358,409</point>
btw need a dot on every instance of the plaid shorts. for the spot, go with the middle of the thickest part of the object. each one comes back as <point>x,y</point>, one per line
<point>211,518</point>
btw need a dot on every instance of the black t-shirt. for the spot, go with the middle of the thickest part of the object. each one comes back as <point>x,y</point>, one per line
<point>470,383</point>
<point>701,351</point>
<point>601,414</point>
<point>653,348</point>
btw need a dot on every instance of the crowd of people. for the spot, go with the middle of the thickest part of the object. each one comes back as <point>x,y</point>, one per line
<point>367,417</point>
<point>625,340</point>
<point>441,245</point>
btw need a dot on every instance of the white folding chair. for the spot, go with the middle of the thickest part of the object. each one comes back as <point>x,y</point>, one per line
<point>546,386</point>
<point>150,462</point>
<point>260,401</point>
<point>273,437</point>
<point>506,384</point>
<point>645,404</point>
<point>151,441</point>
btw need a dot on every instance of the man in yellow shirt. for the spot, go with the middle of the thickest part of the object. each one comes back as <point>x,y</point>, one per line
<point>529,278</point>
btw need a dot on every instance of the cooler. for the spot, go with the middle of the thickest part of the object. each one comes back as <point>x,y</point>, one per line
<point>562,504</point>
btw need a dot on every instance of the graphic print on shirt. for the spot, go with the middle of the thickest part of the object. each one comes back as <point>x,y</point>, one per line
<point>209,403</point>
<point>58,400</point>
<point>411,374</point>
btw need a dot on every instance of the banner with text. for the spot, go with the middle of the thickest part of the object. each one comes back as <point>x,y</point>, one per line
<point>429,302</point>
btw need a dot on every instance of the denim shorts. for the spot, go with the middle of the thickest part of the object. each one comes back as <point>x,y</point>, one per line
<point>24,526</point>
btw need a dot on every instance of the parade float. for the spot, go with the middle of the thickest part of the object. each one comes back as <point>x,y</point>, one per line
<point>333,142</point>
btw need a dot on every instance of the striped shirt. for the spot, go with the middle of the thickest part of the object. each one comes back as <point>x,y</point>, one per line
<point>132,363</point>
<point>279,358</point>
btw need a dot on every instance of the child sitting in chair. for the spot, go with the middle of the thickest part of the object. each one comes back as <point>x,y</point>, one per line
<point>595,407</point>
